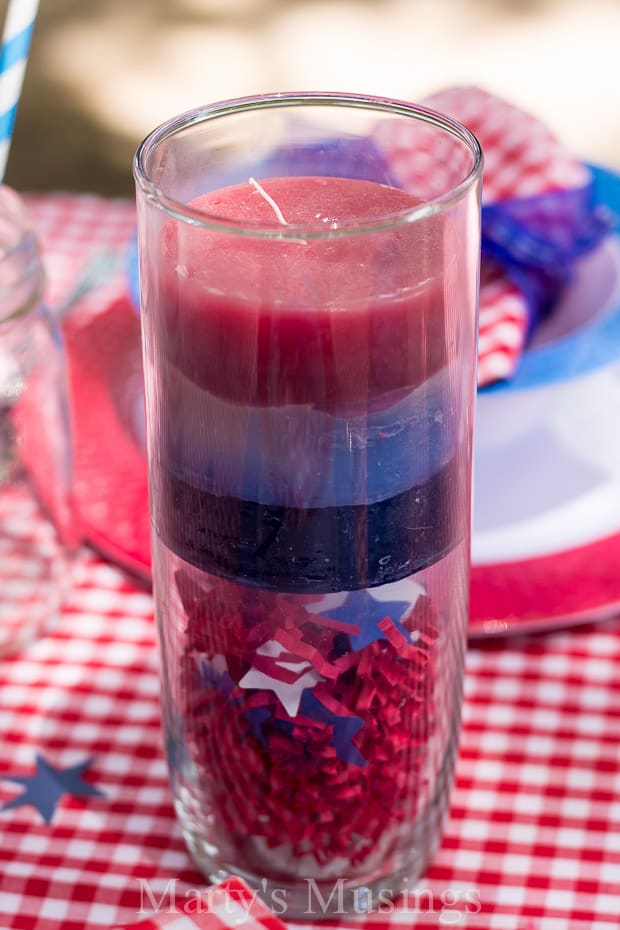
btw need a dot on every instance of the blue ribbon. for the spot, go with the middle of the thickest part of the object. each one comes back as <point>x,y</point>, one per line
<point>538,239</point>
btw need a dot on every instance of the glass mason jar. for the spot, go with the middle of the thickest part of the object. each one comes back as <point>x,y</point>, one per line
<point>309,269</point>
<point>36,526</point>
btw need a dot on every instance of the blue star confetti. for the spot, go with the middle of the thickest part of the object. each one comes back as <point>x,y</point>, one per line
<point>367,612</point>
<point>345,728</point>
<point>257,717</point>
<point>45,789</point>
<point>213,673</point>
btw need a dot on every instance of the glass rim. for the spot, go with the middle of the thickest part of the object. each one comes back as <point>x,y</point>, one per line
<point>176,209</point>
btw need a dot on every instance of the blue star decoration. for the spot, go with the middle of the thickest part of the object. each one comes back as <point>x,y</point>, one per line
<point>362,609</point>
<point>210,676</point>
<point>45,789</point>
<point>345,728</point>
<point>257,717</point>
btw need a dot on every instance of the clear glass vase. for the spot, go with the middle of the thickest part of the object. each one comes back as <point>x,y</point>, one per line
<point>36,519</point>
<point>309,301</point>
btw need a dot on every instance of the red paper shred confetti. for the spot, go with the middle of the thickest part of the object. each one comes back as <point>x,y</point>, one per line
<point>393,636</point>
<point>349,769</point>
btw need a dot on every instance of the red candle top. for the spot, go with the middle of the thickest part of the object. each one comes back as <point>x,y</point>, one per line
<point>344,321</point>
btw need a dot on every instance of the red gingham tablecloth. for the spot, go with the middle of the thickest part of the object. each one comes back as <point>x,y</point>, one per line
<point>533,839</point>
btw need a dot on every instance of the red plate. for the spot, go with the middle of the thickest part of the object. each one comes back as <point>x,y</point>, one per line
<point>110,483</point>
<point>568,587</point>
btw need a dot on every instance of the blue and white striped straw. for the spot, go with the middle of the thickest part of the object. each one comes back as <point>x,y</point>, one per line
<point>16,38</point>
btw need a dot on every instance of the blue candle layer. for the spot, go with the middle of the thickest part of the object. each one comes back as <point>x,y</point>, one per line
<point>309,550</point>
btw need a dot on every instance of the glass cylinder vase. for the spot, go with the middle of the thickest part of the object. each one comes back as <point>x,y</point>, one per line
<point>37,532</point>
<point>308,272</point>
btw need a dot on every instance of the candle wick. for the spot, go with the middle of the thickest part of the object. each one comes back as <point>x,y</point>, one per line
<point>276,209</point>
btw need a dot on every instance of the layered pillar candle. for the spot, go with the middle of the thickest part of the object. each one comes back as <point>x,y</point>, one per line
<point>309,348</point>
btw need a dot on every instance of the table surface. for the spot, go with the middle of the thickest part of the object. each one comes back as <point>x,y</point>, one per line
<point>533,838</point>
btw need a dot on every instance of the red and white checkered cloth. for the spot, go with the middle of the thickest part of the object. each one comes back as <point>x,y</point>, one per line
<point>522,158</point>
<point>533,839</point>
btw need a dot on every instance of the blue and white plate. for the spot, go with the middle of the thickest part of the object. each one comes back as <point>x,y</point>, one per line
<point>547,462</point>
